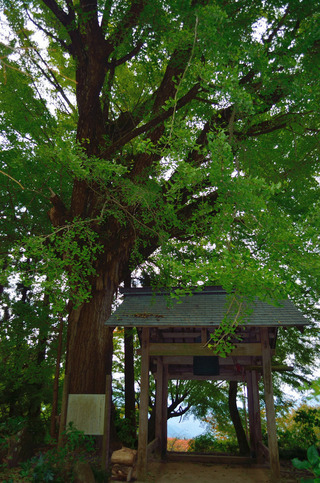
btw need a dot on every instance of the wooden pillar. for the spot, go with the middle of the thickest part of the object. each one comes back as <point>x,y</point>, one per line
<point>162,405</point>
<point>254,413</point>
<point>164,434</point>
<point>144,403</point>
<point>270,411</point>
<point>106,427</point>
<point>159,401</point>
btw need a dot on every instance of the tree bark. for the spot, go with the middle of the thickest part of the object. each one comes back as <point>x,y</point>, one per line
<point>89,344</point>
<point>235,417</point>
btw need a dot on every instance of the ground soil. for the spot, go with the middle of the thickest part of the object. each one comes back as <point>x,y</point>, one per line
<point>204,473</point>
<point>178,472</point>
<point>184,472</point>
<point>192,472</point>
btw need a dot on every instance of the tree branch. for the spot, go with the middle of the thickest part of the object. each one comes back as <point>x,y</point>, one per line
<point>53,81</point>
<point>89,5</point>
<point>49,34</point>
<point>58,12</point>
<point>174,70</point>
<point>130,20</point>
<point>125,58</point>
<point>106,15</point>
<point>271,125</point>
<point>58,213</point>
<point>278,27</point>
<point>70,7</point>
<point>153,123</point>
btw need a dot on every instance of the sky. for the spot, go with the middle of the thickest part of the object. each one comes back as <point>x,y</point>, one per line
<point>185,428</point>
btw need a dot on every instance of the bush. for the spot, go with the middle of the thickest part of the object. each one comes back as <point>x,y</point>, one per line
<point>299,432</point>
<point>57,464</point>
<point>206,443</point>
<point>7,429</point>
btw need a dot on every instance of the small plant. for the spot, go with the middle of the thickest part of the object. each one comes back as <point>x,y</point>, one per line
<point>26,468</point>
<point>100,475</point>
<point>43,471</point>
<point>125,432</point>
<point>57,463</point>
<point>312,464</point>
<point>77,439</point>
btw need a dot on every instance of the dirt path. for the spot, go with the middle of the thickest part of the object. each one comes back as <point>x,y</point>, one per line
<point>173,472</point>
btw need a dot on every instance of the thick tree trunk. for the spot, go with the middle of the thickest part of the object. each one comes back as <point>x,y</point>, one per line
<point>235,417</point>
<point>89,345</point>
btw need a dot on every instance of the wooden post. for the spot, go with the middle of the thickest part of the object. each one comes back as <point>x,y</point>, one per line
<point>254,413</point>
<point>64,409</point>
<point>159,396</point>
<point>106,424</point>
<point>164,430</point>
<point>144,402</point>
<point>129,391</point>
<point>204,336</point>
<point>270,411</point>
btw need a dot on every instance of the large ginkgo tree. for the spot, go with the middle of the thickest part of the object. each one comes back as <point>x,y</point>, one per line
<point>183,130</point>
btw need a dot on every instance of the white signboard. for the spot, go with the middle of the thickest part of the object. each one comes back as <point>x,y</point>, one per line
<point>86,411</point>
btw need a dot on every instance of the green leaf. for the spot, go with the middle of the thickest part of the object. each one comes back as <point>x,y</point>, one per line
<point>301,465</point>
<point>313,455</point>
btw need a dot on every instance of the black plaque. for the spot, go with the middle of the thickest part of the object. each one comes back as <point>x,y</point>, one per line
<point>206,366</point>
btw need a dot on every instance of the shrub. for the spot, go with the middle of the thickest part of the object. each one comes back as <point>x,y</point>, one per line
<point>206,443</point>
<point>299,431</point>
<point>56,465</point>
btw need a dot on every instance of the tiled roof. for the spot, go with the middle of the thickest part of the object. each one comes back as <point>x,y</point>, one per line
<point>143,307</point>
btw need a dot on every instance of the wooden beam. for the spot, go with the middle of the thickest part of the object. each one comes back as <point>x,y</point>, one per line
<point>185,360</point>
<point>209,459</point>
<point>264,450</point>
<point>223,361</point>
<point>270,411</point>
<point>153,447</point>
<point>243,361</point>
<point>192,377</point>
<point>277,368</point>
<point>144,402</point>
<point>181,335</point>
<point>196,349</point>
